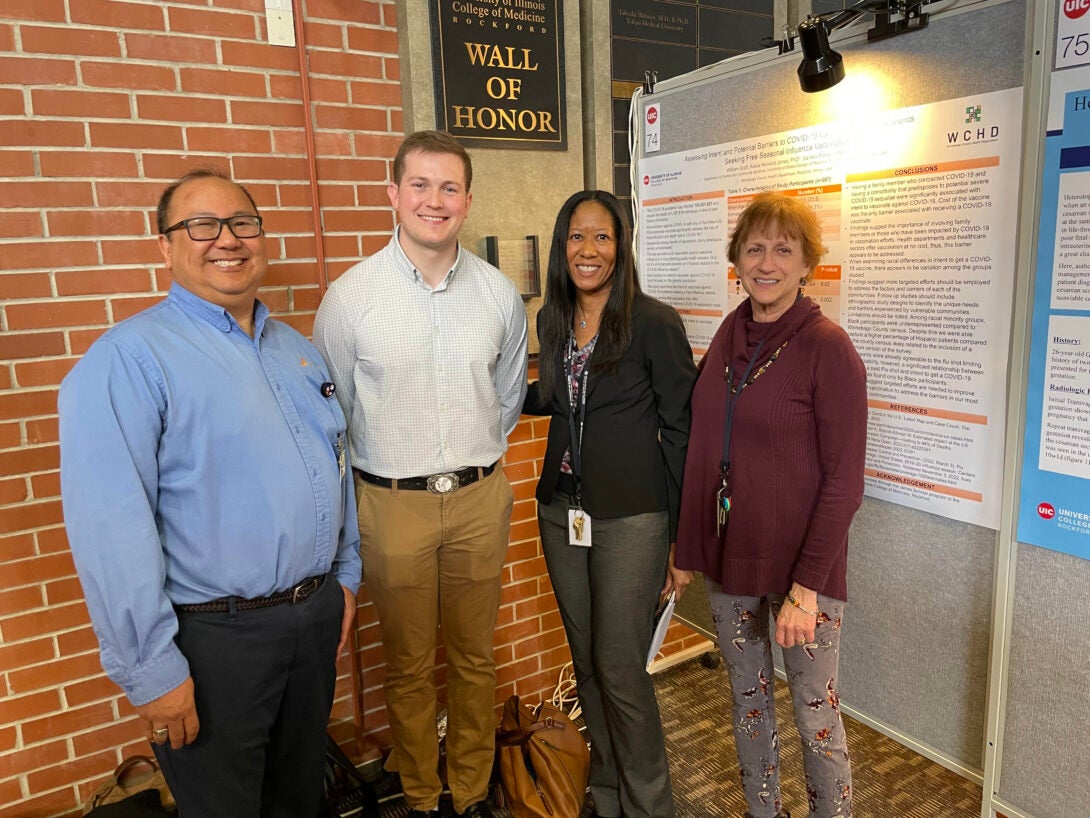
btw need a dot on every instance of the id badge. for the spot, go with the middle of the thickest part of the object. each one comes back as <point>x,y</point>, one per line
<point>578,527</point>
<point>342,456</point>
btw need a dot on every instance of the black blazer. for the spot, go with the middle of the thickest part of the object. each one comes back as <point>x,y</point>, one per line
<point>637,424</point>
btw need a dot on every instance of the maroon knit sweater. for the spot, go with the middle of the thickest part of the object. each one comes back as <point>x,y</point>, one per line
<point>797,450</point>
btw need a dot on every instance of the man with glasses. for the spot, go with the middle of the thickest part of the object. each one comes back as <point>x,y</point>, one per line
<point>211,518</point>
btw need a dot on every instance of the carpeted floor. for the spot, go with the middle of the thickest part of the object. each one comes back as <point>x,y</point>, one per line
<point>889,780</point>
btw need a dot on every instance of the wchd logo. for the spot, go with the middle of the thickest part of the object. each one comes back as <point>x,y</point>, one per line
<point>974,115</point>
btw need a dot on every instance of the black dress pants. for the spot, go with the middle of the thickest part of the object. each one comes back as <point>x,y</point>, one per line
<point>263,681</point>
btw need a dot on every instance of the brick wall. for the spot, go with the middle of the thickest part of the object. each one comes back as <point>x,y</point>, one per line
<point>102,103</point>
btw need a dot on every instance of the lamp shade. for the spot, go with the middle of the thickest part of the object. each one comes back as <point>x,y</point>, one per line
<point>821,67</point>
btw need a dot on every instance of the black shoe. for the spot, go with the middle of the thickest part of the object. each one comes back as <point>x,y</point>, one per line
<point>480,809</point>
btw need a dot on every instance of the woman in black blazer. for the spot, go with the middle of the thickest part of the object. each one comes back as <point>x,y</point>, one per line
<point>616,371</point>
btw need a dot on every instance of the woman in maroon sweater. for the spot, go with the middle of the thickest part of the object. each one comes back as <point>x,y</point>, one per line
<point>766,517</point>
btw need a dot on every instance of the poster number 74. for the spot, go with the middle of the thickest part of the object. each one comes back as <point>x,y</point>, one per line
<point>652,122</point>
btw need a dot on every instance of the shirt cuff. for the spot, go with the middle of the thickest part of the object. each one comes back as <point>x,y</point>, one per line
<point>157,677</point>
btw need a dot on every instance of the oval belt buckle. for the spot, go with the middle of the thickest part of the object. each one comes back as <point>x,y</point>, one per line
<point>442,483</point>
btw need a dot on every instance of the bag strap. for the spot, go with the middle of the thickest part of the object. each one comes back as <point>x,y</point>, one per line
<point>520,735</point>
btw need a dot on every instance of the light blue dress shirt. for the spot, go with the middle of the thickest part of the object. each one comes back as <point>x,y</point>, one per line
<point>197,462</point>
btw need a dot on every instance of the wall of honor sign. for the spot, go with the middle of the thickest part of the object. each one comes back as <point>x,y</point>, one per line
<point>499,72</point>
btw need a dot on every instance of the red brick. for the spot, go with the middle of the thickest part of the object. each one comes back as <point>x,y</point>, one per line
<point>43,133</point>
<point>177,109</point>
<point>122,75</point>
<point>63,590</point>
<point>53,541</point>
<point>391,69</point>
<point>37,194</point>
<point>367,13</point>
<point>23,285</point>
<point>33,758</point>
<point>52,674</point>
<point>38,569</point>
<point>258,55</point>
<point>99,105</point>
<point>44,486</point>
<point>128,15</point>
<point>244,112</point>
<point>49,778</point>
<point>102,281</point>
<point>63,803</point>
<point>369,245</point>
<point>70,40</point>
<point>13,490</point>
<point>171,166</point>
<point>18,709</point>
<point>288,87</point>
<point>37,71</point>
<point>171,48</point>
<point>43,10</point>
<point>341,64</point>
<point>41,622</point>
<point>134,135</point>
<point>335,195</point>
<point>93,164</point>
<point>81,340</point>
<point>43,373</point>
<point>353,169</point>
<point>16,547</point>
<point>372,39</point>
<point>79,641</point>
<point>29,515</point>
<point>125,252</point>
<point>55,313</point>
<point>19,600</point>
<point>123,308</point>
<point>377,93</point>
<point>38,254</point>
<point>19,225</point>
<point>16,163</point>
<point>9,436</point>
<point>212,23</point>
<point>11,102</point>
<point>96,223</point>
<point>11,790</point>
<point>350,118</point>
<point>26,404</point>
<point>228,140</point>
<point>322,35</point>
<point>23,654</point>
<point>86,691</point>
<point>128,194</point>
<point>111,736</point>
<point>389,15</point>
<point>223,81</point>
<point>43,430</point>
<point>269,167</point>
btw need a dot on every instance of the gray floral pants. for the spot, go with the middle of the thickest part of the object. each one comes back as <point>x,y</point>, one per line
<point>744,640</point>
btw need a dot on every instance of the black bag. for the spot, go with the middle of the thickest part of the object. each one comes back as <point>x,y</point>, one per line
<point>347,793</point>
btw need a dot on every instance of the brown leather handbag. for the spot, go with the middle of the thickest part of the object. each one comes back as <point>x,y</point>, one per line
<point>543,762</point>
<point>133,775</point>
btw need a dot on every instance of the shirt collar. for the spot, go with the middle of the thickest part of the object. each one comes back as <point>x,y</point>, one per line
<point>214,314</point>
<point>406,267</point>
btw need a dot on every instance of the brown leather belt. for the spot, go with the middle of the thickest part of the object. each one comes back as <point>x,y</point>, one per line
<point>293,596</point>
<point>443,483</point>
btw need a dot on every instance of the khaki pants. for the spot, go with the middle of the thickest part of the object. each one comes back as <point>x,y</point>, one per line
<point>430,561</point>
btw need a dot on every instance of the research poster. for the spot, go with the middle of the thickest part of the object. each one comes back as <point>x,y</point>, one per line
<point>918,209</point>
<point>1054,508</point>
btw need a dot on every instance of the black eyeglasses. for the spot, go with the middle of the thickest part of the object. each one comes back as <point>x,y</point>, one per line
<point>208,228</point>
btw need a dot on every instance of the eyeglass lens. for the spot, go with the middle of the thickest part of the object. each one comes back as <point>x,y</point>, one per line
<point>207,229</point>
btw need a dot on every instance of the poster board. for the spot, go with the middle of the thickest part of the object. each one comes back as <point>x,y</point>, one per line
<point>907,567</point>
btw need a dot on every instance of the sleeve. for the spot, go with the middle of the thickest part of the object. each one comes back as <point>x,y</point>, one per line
<point>536,403</point>
<point>840,415</point>
<point>670,363</point>
<point>111,418</point>
<point>510,375</point>
<point>333,338</point>
<point>347,562</point>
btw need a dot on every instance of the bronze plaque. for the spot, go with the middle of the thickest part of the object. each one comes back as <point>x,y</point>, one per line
<point>499,72</point>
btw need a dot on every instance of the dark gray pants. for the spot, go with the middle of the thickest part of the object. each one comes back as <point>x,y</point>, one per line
<point>745,642</point>
<point>263,682</point>
<point>607,596</point>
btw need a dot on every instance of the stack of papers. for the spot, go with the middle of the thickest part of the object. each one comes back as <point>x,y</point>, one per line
<point>661,624</point>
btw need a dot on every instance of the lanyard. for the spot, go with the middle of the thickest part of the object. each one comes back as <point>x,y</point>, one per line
<point>732,401</point>
<point>576,434</point>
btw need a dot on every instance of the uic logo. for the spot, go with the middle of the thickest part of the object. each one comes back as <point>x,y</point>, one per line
<point>653,112</point>
<point>1074,9</point>
<point>1046,511</point>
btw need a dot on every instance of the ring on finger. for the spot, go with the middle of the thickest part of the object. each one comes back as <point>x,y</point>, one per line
<point>161,735</point>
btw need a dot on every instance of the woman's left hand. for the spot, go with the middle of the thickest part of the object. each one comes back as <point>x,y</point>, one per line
<point>795,627</point>
<point>677,580</point>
